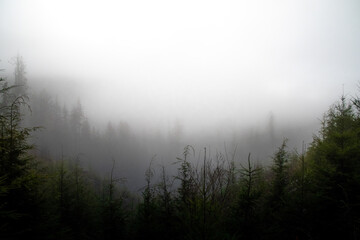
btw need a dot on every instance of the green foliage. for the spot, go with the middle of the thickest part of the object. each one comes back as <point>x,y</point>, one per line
<point>334,158</point>
<point>280,179</point>
<point>312,195</point>
<point>17,167</point>
<point>246,214</point>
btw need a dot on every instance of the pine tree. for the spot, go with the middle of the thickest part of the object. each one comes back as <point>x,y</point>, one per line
<point>20,77</point>
<point>246,210</point>
<point>334,158</point>
<point>17,167</point>
<point>275,207</point>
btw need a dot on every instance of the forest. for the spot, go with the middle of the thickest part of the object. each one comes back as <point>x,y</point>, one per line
<point>50,188</point>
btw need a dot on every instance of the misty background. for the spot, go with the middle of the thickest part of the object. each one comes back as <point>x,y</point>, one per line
<point>131,80</point>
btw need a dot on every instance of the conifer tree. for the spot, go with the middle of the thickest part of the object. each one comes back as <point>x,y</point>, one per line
<point>17,167</point>
<point>334,158</point>
<point>20,77</point>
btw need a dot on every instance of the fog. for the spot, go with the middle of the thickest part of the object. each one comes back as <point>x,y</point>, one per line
<point>215,74</point>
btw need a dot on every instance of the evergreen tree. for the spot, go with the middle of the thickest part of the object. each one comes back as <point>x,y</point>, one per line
<point>17,168</point>
<point>20,77</point>
<point>246,211</point>
<point>275,205</point>
<point>334,157</point>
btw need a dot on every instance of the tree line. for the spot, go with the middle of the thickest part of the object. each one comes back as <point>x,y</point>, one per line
<point>311,194</point>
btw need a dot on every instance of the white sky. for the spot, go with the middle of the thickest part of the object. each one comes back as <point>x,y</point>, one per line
<point>202,62</point>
